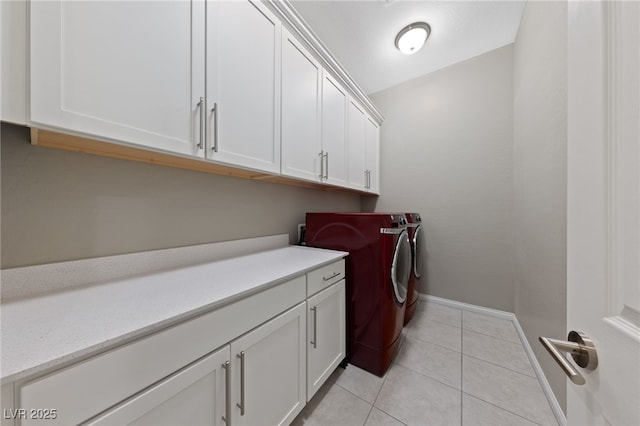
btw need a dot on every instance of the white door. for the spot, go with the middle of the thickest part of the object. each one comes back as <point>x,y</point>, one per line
<point>127,71</point>
<point>243,84</point>
<point>195,395</point>
<point>301,82</point>
<point>269,371</point>
<point>326,342</point>
<point>603,257</point>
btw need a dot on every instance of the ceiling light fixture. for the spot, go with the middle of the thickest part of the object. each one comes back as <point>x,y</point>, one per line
<point>412,37</point>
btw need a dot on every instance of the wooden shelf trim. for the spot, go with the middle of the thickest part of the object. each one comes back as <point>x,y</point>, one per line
<point>53,139</point>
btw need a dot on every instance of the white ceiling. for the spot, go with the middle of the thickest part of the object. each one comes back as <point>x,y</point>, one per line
<point>361,34</point>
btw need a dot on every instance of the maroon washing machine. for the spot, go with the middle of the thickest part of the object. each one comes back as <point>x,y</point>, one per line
<point>416,239</point>
<point>377,274</point>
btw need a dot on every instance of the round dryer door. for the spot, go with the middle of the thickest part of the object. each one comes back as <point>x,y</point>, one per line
<point>401,267</point>
<point>418,251</point>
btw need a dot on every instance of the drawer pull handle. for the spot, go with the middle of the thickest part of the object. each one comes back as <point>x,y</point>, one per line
<point>227,391</point>
<point>314,342</point>
<point>335,274</point>
<point>241,405</point>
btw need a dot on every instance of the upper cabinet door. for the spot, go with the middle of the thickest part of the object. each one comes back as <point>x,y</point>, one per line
<point>334,130</point>
<point>128,71</point>
<point>373,156</point>
<point>357,172</point>
<point>301,82</point>
<point>243,84</point>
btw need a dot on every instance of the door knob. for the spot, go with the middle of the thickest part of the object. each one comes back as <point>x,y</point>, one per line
<point>582,351</point>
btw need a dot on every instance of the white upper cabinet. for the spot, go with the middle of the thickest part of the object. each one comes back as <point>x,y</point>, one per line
<point>127,71</point>
<point>334,130</point>
<point>220,81</point>
<point>13,61</point>
<point>372,156</point>
<point>243,84</point>
<point>357,134</point>
<point>301,83</point>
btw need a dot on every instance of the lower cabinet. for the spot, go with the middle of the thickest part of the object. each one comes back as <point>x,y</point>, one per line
<point>326,335</point>
<point>195,395</point>
<point>268,369</point>
<point>266,383</point>
<point>270,361</point>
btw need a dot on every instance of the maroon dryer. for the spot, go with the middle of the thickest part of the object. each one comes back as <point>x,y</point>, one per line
<point>377,274</point>
<point>416,238</point>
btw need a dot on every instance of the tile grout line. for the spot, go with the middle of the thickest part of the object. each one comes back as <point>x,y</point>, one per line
<point>429,377</point>
<point>366,419</point>
<point>492,335</point>
<point>393,417</point>
<point>433,343</point>
<point>500,408</point>
<point>501,366</point>
<point>373,404</point>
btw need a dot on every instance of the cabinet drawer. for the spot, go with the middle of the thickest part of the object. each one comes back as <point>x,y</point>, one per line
<point>323,277</point>
<point>83,390</point>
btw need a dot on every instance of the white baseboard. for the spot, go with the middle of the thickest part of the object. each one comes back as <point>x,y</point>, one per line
<point>551,398</point>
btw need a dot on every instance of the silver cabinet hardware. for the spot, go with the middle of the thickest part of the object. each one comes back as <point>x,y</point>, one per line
<point>326,166</point>
<point>335,274</point>
<point>203,120</point>
<point>241,405</point>
<point>582,351</point>
<point>214,110</point>
<point>227,391</point>
<point>314,342</point>
<point>321,165</point>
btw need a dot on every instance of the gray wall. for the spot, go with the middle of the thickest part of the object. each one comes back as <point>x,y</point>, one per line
<point>446,152</point>
<point>59,205</point>
<point>540,183</point>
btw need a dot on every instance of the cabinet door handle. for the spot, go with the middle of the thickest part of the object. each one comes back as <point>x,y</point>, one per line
<point>241,405</point>
<point>203,123</point>
<point>326,167</point>
<point>227,391</point>
<point>314,342</point>
<point>214,148</point>
<point>321,176</point>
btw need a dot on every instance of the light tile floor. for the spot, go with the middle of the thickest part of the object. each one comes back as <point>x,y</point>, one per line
<point>454,367</point>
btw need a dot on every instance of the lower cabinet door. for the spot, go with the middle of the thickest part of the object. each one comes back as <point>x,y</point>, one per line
<point>326,331</point>
<point>269,371</point>
<point>195,395</point>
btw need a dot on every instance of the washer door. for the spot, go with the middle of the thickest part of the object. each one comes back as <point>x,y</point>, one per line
<point>401,267</point>
<point>418,250</point>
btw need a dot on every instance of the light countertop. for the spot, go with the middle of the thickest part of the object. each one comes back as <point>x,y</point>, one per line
<point>45,331</point>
